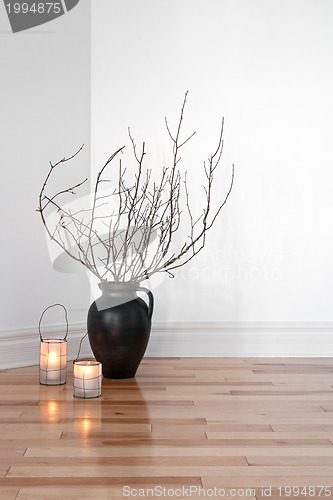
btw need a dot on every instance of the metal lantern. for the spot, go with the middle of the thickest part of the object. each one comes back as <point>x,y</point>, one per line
<point>53,356</point>
<point>53,361</point>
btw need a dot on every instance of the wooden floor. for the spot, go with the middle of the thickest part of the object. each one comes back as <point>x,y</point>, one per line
<point>205,423</point>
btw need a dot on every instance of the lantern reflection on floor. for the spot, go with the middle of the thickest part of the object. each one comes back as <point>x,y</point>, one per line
<point>52,406</point>
<point>86,417</point>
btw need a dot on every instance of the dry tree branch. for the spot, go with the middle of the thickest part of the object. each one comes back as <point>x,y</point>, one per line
<point>137,214</point>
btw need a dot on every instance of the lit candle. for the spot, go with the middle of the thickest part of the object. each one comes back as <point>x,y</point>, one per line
<point>87,378</point>
<point>53,359</point>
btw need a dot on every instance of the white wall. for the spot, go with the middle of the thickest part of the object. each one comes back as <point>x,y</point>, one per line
<point>45,115</point>
<point>263,284</point>
<point>267,66</point>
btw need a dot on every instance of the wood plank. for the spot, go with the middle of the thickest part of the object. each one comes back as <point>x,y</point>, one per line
<point>174,471</point>
<point>11,452</point>
<point>238,427</point>
<point>133,461</point>
<point>277,378</point>
<point>73,449</point>
<point>303,427</point>
<point>70,493</point>
<point>277,392</point>
<point>9,413</point>
<point>280,436</point>
<point>289,441</point>
<point>172,429</point>
<point>8,492</point>
<point>284,460</point>
<point>145,420</point>
<point>34,430</point>
<point>139,400</point>
<point>85,492</point>
<point>272,418</point>
<point>47,482</point>
<point>266,481</point>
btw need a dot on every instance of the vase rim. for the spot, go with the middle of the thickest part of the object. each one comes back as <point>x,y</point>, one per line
<point>119,285</point>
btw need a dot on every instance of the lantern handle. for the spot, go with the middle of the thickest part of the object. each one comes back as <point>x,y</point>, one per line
<point>78,354</point>
<point>41,317</point>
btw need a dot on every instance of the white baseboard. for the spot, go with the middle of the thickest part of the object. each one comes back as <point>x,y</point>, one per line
<point>21,348</point>
<point>259,339</point>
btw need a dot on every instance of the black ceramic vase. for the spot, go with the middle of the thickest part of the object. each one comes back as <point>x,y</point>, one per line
<point>119,325</point>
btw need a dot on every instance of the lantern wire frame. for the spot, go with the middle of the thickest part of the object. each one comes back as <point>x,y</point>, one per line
<point>53,355</point>
<point>84,387</point>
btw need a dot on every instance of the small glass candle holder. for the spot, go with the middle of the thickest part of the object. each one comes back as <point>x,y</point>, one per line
<point>53,359</point>
<point>87,378</point>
